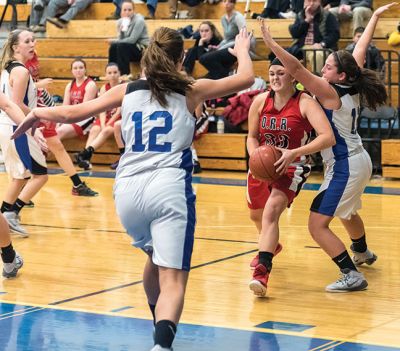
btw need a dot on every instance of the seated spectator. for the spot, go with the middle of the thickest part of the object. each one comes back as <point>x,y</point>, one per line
<point>103,126</point>
<point>359,11</point>
<point>220,61</point>
<point>314,28</point>
<point>37,20</point>
<point>373,59</point>
<point>82,88</point>
<point>151,8</point>
<point>208,40</point>
<point>132,38</point>
<point>280,9</point>
<point>68,8</point>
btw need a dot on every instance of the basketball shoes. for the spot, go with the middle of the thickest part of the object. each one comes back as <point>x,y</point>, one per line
<point>349,281</point>
<point>367,257</point>
<point>10,269</point>
<point>254,261</point>
<point>83,190</point>
<point>260,279</point>
<point>14,222</point>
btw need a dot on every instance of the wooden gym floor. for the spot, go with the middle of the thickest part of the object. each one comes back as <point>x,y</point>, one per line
<point>80,287</point>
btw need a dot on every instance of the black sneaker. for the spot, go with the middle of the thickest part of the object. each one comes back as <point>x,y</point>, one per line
<point>83,190</point>
<point>82,162</point>
<point>196,167</point>
<point>30,204</point>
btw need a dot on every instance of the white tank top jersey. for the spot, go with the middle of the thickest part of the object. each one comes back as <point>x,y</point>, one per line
<point>155,137</point>
<point>344,125</point>
<point>30,98</point>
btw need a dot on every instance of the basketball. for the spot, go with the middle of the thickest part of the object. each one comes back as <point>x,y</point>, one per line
<point>262,161</point>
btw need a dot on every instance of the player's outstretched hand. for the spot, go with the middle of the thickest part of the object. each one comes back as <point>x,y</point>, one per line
<point>288,156</point>
<point>242,42</point>
<point>266,33</point>
<point>30,121</point>
<point>384,8</point>
<point>41,140</point>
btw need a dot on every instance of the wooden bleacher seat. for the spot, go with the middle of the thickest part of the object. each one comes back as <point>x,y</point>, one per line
<point>391,158</point>
<point>215,151</point>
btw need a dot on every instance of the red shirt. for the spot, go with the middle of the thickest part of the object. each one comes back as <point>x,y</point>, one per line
<point>33,67</point>
<point>77,93</point>
<point>110,112</point>
<point>286,128</point>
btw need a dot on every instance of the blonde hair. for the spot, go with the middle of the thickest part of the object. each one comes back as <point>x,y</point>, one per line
<point>159,62</point>
<point>7,53</point>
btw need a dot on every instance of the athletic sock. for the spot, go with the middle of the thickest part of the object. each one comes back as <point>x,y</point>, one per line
<point>5,207</point>
<point>76,180</point>
<point>265,258</point>
<point>360,245</point>
<point>344,261</point>
<point>165,333</point>
<point>121,150</point>
<point>153,312</point>
<point>87,153</point>
<point>18,206</point>
<point>7,254</point>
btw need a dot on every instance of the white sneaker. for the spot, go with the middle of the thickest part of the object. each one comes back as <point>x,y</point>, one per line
<point>287,15</point>
<point>159,348</point>
<point>367,257</point>
<point>349,281</point>
<point>13,220</point>
<point>10,269</point>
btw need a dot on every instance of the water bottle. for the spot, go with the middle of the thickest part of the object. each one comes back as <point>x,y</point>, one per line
<point>220,126</point>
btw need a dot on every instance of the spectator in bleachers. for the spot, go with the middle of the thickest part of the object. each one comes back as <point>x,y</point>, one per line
<point>220,61</point>
<point>280,9</point>
<point>314,28</point>
<point>173,7</point>
<point>37,20</point>
<point>359,11</point>
<point>103,126</point>
<point>208,40</point>
<point>394,38</point>
<point>67,8</point>
<point>373,59</point>
<point>151,7</point>
<point>132,38</point>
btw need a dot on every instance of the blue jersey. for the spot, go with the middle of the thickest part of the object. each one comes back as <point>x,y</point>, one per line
<point>344,124</point>
<point>155,136</point>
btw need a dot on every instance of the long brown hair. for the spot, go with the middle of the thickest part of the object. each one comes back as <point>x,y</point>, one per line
<point>159,62</point>
<point>368,84</point>
<point>7,53</point>
<point>215,33</point>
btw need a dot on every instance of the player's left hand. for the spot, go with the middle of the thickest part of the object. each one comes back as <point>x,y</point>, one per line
<point>41,140</point>
<point>288,156</point>
<point>30,121</point>
<point>266,33</point>
<point>384,8</point>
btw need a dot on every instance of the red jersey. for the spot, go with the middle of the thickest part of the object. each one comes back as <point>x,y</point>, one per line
<point>33,67</point>
<point>286,128</point>
<point>110,112</point>
<point>77,93</point>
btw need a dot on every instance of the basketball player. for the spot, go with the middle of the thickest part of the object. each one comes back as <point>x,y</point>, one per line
<point>153,191</point>
<point>12,261</point>
<point>79,188</point>
<point>82,88</point>
<point>343,86</point>
<point>103,126</point>
<point>23,158</point>
<point>282,117</point>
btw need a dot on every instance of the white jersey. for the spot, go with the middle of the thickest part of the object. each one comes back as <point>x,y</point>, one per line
<point>344,124</point>
<point>30,98</point>
<point>155,137</point>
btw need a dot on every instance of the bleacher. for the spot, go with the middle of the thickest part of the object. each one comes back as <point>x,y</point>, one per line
<point>85,37</point>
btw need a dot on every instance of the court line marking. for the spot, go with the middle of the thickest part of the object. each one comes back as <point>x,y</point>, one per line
<point>23,313</point>
<point>334,345</point>
<point>141,281</point>
<point>250,329</point>
<point>323,345</point>
<point>17,311</point>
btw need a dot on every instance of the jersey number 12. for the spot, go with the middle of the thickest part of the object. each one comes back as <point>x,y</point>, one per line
<point>137,119</point>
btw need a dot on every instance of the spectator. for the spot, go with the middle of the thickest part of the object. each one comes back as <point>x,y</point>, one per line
<point>373,59</point>
<point>151,7</point>
<point>132,38</point>
<point>208,40</point>
<point>360,11</point>
<point>68,8</point>
<point>220,61</point>
<point>37,21</point>
<point>280,9</point>
<point>173,7</point>
<point>314,28</point>
<point>394,38</point>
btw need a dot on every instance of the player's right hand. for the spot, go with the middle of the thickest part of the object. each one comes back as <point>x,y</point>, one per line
<point>30,121</point>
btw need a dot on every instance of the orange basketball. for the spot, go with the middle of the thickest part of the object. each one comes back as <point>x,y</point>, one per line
<point>262,161</point>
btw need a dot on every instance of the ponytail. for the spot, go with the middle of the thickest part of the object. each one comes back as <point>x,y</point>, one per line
<point>7,53</point>
<point>159,63</point>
